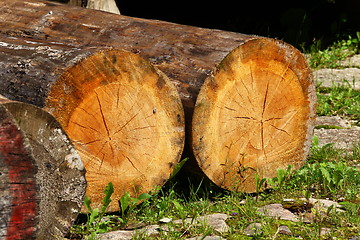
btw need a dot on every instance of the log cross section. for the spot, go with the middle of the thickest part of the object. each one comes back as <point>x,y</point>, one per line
<point>254,115</point>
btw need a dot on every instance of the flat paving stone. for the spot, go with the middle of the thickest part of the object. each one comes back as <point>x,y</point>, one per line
<point>277,211</point>
<point>332,77</point>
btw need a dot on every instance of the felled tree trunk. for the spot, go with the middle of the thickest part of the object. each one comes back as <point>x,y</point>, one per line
<point>42,176</point>
<point>123,115</point>
<point>255,112</point>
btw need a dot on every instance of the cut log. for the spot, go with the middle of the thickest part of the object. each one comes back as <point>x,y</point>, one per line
<point>254,115</point>
<point>123,115</point>
<point>125,119</point>
<point>42,177</point>
<point>189,55</point>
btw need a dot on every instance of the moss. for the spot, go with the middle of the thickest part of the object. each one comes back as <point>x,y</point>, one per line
<point>328,127</point>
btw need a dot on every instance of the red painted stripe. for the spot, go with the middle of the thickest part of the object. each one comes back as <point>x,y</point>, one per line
<point>22,181</point>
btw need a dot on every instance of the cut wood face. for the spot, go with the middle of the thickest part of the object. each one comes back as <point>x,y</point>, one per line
<point>126,120</point>
<point>254,115</point>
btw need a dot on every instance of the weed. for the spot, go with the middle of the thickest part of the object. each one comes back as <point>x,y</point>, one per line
<point>259,184</point>
<point>97,222</point>
<point>178,167</point>
<point>94,224</point>
<point>282,177</point>
<point>329,179</point>
<point>331,57</point>
<point>325,153</point>
<point>340,100</point>
<point>127,203</point>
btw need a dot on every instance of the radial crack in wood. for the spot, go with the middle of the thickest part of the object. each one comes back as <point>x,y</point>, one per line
<point>106,104</point>
<point>255,114</point>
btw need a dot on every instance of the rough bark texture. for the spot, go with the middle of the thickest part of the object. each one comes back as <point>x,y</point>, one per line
<point>42,177</point>
<point>188,55</point>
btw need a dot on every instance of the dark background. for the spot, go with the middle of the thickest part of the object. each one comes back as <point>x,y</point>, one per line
<point>299,22</point>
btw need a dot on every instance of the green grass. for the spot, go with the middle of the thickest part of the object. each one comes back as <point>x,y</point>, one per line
<point>331,56</point>
<point>328,173</point>
<point>340,100</point>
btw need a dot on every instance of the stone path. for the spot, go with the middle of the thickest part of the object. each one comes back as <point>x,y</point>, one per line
<point>350,73</point>
<point>333,77</point>
<point>343,136</point>
<point>218,223</point>
<point>348,134</point>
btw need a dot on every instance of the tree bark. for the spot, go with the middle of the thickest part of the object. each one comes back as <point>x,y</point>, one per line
<point>281,81</point>
<point>42,176</point>
<point>187,55</point>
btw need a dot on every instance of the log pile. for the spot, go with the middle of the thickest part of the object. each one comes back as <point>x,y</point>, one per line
<point>123,115</point>
<point>247,102</point>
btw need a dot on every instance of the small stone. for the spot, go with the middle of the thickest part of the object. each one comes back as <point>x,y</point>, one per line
<point>253,229</point>
<point>117,235</point>
<point>354,238</point>
<point>334,77</point>
<point>332,121</point>
<point>216,221</point>
<point>207,238</point>
<point>325,231</point>
<point>324,204</point>
<point>150,230</point>
<point>165,220</point>
<point>341,138</point>
<point>278,211</point>
<point>308,217</point>
<point>353,61</point>
<point>284,230</point>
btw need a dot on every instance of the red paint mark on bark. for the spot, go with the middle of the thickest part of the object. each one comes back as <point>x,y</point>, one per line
<point>22,182</point>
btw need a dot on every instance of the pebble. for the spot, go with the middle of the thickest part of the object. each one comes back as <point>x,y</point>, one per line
<point>277,211</point>
<point>284,230</point>
<point>165,220</point>
<point>207,238</point>
<point>325,231</point>
<point>253,229</point>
